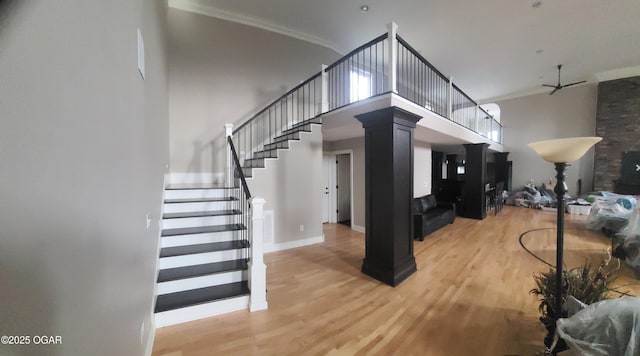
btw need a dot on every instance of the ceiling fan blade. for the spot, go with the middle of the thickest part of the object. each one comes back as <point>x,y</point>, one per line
<point>568,85</point>
<point>549,85</point>
<point>553,91</point>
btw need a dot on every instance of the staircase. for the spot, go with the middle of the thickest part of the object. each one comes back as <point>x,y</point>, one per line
<point>203,267</point>
<point>280,141</point>
<point>204,255</point>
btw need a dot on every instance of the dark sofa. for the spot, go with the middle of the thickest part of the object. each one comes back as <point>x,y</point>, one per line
<point>429,215</point>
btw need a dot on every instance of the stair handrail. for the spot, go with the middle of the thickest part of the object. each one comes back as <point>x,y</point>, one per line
<point>253,219</point>
<point>238,169</point>
<point>294,89</point>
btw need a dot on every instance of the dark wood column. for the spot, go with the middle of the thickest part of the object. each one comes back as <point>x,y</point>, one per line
<point>389,192</point>
<point>475,172</point>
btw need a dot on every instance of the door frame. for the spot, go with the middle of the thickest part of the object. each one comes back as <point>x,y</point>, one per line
<point>333,179</point>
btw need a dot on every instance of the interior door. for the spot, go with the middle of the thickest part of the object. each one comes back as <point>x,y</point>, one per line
<point>327,161</point>
<point>343,174</point>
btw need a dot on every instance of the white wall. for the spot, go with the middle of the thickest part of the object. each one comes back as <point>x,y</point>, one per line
<point>570,112</point>
<point>293,186</point>
<point>421,169</point>
<point>83,148</point>
<point>223,72</point>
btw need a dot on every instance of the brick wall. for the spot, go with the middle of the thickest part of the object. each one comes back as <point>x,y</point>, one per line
<point>618,123</point>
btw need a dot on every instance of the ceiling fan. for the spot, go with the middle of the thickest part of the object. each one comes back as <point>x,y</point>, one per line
<point>560,86</point>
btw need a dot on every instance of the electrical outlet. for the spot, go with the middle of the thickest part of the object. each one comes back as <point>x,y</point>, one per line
<point>148,221</point>
<point>301,228</point>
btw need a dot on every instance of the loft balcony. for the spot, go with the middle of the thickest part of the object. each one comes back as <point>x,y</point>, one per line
<point>384,72</point>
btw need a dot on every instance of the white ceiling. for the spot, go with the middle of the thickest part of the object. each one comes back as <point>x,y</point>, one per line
<point>489,47</point>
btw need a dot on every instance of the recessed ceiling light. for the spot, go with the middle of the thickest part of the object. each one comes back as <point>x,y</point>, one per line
<point>536,4</point>
<point>364,8</point>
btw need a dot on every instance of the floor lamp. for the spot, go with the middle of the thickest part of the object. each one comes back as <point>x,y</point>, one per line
<point>560,152</point>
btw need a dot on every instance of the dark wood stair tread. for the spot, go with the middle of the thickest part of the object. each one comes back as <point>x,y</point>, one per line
<point>203,248</point>
<point>199,200</point>
<point>199,214</point>
<point>172,274</point>
<point>192,297</point>
<point>202,229</point>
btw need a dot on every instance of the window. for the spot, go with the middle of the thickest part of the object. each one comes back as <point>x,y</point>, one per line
<point>359,85</point>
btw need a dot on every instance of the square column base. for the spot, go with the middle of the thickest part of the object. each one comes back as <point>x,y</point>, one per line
<point>389,275</point>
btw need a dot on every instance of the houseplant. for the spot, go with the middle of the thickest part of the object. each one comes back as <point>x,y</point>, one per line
<point>585,283</point>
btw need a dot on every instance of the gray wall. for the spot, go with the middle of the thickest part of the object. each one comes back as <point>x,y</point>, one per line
<point>570,112</point>
<point>223,72</point>
<point>83,149</point>
<point>292,187</point>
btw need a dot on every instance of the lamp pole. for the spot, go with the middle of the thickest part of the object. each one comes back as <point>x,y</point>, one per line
<point>560,189</point>
<point>560,152</point>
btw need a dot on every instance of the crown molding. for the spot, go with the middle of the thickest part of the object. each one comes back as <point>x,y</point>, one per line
<point>198,7</point>
<point>618,74</point>
<point>528,92</point>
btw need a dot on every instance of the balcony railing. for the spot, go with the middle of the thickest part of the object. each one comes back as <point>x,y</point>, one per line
<point>360,74</point>
<point>386,64</point>
<point>421,82</point>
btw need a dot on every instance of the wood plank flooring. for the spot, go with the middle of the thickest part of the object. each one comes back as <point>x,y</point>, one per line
<point>470,296</point>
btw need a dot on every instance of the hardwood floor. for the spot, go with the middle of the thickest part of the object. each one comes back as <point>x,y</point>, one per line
<point>470,295</point>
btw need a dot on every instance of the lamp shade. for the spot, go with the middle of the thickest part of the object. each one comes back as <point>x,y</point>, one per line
<point>564,150</point>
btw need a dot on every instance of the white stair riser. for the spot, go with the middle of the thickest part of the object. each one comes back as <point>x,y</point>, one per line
<point>194,239</point>
<point>200,258</point>
<point>199,193</point>
<point>199,206</point>
<point>200,221</point>
<point>201,311</point>
<point>201,282</point>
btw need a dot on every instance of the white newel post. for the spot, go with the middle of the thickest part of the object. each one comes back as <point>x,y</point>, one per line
<point>450,99</point>
<point>476,124</point>
<point>325,90</point>
<point>257,268</point>
<point>392,68</point>
<point>228,171</point>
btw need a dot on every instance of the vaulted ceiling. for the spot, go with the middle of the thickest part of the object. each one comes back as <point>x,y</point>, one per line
<point>492,48</point>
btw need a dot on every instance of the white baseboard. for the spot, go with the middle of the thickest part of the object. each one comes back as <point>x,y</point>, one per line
<point>196,178</point>
<point>358,228</point>
<point>273,247</point>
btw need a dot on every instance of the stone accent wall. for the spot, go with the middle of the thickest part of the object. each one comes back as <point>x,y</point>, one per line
<point>618,123</point>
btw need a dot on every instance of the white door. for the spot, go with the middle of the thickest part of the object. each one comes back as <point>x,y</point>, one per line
<point>327,163</point>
